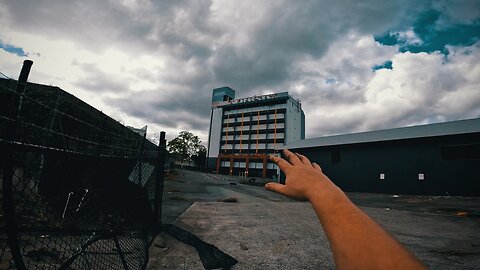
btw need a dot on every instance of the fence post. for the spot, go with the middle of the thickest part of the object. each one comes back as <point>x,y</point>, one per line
<point>7,167</point>
<point>139,159</point>
<point>157,209</point>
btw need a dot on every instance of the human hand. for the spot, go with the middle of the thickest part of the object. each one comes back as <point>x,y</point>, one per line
<point>303,178</point>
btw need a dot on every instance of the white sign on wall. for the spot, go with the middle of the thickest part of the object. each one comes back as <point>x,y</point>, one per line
<point>254,98</point>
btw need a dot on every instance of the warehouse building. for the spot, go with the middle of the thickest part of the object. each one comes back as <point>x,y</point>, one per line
<point>244,132</point>
<point>436,159</point>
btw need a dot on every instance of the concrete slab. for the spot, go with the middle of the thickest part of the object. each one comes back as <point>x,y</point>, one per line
<point>287,235</point>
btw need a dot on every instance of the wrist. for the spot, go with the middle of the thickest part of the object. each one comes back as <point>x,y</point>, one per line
<point>326,195</point>
<point>320,188</point>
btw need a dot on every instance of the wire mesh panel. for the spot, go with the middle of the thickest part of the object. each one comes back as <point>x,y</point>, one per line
<point>68,217</point>
<point>80,184</point>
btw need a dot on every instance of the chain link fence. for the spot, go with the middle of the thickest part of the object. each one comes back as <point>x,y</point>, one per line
<point>79,190</point>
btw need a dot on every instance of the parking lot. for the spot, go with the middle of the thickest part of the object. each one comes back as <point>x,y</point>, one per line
<point>264,230</point>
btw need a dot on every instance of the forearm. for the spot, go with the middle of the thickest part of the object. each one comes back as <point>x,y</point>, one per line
<point>357,242</point>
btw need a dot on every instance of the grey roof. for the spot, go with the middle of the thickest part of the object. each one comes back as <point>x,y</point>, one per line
<point>430,130</point>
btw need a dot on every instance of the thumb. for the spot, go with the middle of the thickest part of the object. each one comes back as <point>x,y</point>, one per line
<point>275,187</point>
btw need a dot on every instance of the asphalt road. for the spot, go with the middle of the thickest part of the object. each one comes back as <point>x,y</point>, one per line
<point>184,187</point>
<point>264,230</point>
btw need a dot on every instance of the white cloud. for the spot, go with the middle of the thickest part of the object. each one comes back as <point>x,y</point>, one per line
<point>420,88</point>
<point>407,37</point>
<point>334,84</point>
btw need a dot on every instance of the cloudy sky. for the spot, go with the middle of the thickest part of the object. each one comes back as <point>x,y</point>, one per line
<point>355,65</point>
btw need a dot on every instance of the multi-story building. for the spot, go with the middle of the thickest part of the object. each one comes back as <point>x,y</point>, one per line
<point>244,132</point>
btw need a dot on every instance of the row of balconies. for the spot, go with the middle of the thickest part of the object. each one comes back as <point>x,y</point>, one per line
<point>253,151</point>
<point>280,108</point>
<point>251,165</point>
<point>253,118</point>
<point>261,122</point>
<point>253,142</point>
<point>254,137</point>
<point>254,127</point>
<point>254,132</point>
<point>252,146</point>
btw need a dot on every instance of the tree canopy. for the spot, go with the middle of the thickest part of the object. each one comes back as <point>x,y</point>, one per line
<point>185,146</point>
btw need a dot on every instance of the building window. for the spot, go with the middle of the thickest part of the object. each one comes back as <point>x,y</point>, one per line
<point>336,157</point>
<point>456,152</point>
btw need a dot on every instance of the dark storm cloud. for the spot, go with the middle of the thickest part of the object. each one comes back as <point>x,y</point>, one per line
<point>168,111</point>
<point>289,33</point>
<point>252,46</point>
<point>94,24</point>
<point>184,30</point>
<point>99,81</point>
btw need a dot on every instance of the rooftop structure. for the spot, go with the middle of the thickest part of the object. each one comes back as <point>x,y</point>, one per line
<point>403,133</point>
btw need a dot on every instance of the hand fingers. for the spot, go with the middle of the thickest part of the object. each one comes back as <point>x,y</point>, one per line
<point>316,166</point>
<point>291,157</point>
<point>283,190</point>
<point>275,187</point>
<point>303,159</point>
<point>282,163</point>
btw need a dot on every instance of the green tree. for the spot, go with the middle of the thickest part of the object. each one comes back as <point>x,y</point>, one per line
<point>185,146</point>
<point>200,157</point>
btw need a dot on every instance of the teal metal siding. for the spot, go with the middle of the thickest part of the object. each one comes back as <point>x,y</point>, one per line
<point>401,161</point>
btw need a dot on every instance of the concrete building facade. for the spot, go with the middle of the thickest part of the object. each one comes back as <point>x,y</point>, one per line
<point>243,132</point>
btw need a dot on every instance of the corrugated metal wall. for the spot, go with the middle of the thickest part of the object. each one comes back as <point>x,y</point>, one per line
<point>403,162</point>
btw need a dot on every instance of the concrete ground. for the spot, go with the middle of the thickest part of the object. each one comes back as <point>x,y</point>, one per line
<point>264,230</point>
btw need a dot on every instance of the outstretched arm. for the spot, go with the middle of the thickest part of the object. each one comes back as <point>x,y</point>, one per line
<point>357,242</point>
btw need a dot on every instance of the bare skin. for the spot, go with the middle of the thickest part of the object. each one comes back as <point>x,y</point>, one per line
<point>356,240</point>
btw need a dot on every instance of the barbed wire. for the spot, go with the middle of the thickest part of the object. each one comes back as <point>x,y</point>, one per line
<point>62,93</point>
<point>6,118</point>
<point>133,150</point>
<point>3,74</point>
<point>130,152</point>
<point>76,138</point>
<point>67,151</point>
<point>65,114</point>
